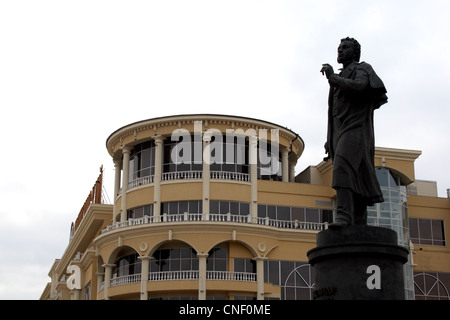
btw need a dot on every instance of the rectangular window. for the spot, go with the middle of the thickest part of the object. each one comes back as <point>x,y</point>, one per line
<point>427,231</point>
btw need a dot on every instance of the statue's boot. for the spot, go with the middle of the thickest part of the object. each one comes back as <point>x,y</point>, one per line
<point>345,208</point>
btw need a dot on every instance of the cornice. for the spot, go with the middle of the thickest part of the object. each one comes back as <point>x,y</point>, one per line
<point>398,154</point>
<point>198,227</point>
<point>208,121</point>
<point>95,211</point>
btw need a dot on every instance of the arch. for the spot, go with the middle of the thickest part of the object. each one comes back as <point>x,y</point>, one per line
<point>428,286</point>
<point>121,251</point>
<point>301,279</point>
<point>405,180</point>
<point>252,250</point>
<point>160,244</point>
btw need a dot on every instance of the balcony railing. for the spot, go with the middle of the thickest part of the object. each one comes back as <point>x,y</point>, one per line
<point>182,275</point>
<point>189,175</point>
<point>208,217</point>
<point>132,278</point>
<point>231,276</point>
<point>173,275</point>
<point>180,175</point>
<point>224,175</point>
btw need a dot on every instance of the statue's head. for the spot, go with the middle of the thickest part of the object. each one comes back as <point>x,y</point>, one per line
<point>348,51</point>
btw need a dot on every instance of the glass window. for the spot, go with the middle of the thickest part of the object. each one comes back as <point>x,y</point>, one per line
<point>431,285</point>
<point>229,155</point>
<point>232,207</point>
<point>217,259</point>
<point>180,207</point>
<point>272,212</point>
<point>244,265</point>
<point>273,271</point>
<point>283,213</point>
<point>127,265</point>
<point>298,214</point>
<point>244,209</point>
<point>176,259</point>
<point>140,212</point>
<point>269,163</point>
<point>295,213</point>
<point>312,215</point>
<point>327,216</point>
<point>142,160</point>
<point>262,210</point>
<point>427,231</point>
<point>224,207</point>
<point>437,228</point>
<point>183,154</point>
<point>214,207</point>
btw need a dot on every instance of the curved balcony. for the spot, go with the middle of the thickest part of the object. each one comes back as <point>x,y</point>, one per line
<point>219,218</point>
<point>182,275</point>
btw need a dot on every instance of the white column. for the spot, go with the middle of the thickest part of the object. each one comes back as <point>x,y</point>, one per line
<point>206,175</point>
<point>260,277</point>
<point>202,275</point>
<point>126,168</point>
<point>253,157</point>
<point>100,278</point>
<point>285,164</point>
<point>75,294</point>
<point>108,274</point>
<point>117,168</point>
<point>292,170</point>
<point>158,174</point>
<point>145,261</point>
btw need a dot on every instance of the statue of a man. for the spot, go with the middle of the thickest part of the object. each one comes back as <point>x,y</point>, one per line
<point>354,94</point>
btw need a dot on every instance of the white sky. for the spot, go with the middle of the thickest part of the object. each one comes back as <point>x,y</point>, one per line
<point>72,72</point>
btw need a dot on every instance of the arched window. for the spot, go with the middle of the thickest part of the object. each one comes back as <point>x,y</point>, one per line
<point>429,286</point>
<point>174,259</point>
<point>299,284</point>
<point>217,259</point>
<point>127,265</point>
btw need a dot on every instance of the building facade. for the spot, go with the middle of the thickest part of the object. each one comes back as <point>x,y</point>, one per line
<point>210,207</point>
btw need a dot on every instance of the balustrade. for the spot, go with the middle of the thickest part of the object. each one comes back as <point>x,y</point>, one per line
<point>189,175</point>
<point>183,275</point>
<point>132,278</point>
<point>232,218</point>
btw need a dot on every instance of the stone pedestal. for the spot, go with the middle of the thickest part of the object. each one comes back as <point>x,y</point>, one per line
<point>358,263</point>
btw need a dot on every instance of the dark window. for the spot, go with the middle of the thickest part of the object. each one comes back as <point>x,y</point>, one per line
<point>182,154</point>
<point>140,212</point>
<point>176,259</point>
<point>142,160</point>
<point>431,285</point>
<point>180,207</point>
<point>298,214</point>
<point>232,207</point>
<point>127,265</point>
<point>244,265</point>
<point>217,259</point>
<point>427,231</point>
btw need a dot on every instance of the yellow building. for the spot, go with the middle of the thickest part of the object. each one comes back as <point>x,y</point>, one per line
<point>209,207</point>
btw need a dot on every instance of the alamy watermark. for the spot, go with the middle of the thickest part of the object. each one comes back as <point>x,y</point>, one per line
<point>221,148</point>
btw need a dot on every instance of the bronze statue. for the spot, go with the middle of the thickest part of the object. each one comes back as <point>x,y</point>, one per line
<point>354,94</point>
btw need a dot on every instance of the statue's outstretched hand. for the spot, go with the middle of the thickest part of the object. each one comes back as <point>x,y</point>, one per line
<point>327,151</point>
<point>327,70</point>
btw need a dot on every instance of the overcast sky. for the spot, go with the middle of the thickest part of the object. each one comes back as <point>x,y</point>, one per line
<point>72,72</point>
